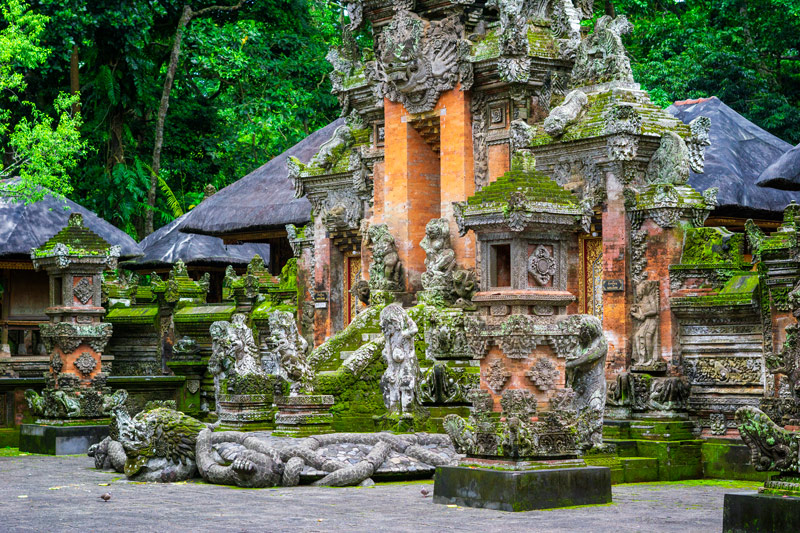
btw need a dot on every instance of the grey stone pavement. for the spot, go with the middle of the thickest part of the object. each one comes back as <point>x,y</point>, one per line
<point>39,493</point>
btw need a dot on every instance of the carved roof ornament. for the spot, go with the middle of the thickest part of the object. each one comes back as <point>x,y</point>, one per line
<point>670,163</point>
<point>567,113</point>
<point>601,57</point>
<point>417,60</point>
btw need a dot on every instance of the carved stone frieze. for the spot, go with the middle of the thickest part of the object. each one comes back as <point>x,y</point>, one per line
<point>715,370</point>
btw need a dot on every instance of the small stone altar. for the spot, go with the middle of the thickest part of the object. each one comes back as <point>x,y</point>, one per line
<point>73,408</point>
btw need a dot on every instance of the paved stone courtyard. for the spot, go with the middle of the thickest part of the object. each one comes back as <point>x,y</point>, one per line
<point>39,493</point>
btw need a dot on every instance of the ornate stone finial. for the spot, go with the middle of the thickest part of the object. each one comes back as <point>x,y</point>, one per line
<point>208,191</point>
<point>399,381</point>
<point>601,57</point>
<point>567,113</point>
<point>75,220</point>
<point>670,162</point>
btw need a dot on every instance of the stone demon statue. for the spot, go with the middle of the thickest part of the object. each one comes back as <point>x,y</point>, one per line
<point>290,349</point>
<point>386,271</point>
<point>586,377</point>
<point>400,379</point>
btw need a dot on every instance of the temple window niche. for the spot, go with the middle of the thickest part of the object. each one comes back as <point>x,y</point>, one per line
<point>500,265</point>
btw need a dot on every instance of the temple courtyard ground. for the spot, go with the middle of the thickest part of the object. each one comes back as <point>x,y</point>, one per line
<point>42,493</point>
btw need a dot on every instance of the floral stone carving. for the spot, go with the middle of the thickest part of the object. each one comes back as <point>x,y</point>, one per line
<point>543,374</point>
<point>496,375</point>
<point>83,290</point>
<point>399,381</point>
<point>85,363</point>
<point>542,265</point>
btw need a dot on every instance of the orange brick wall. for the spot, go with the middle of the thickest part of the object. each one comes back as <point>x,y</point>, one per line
<point>458,178</point>
<point>518,380</point>
<point>616,308</point>
<point>499,161</point>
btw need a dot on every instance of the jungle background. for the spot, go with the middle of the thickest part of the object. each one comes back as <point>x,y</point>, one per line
<point>87,85</point>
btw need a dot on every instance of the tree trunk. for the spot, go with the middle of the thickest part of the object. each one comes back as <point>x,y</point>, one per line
<point>186,16</point>
<point>155,168</point>
<point>610,11</point>
<point>74,77</point>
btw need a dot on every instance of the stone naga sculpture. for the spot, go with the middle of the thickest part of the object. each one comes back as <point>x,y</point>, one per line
<point>400,378</point>
<point>585,375</point>
<point>386,270</point>
<point>155,445</point>
<point>567,113</point>
<point>772,447</point>
<point>290,348</point>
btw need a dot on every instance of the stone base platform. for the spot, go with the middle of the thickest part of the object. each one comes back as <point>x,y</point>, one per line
<point>509,490</point>
<point>60,440</point>
<point>301,416</point>
<point>751,512</point>
<point>246,412</point>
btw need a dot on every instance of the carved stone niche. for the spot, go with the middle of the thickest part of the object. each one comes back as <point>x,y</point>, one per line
<point>646,352</point>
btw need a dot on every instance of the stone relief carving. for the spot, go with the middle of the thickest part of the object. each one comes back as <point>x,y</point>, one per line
<point>542,265</point>
<point>83,290</point>
<point>670,162</point>
<point>85,364</point>
<point>386,270</point>
<point>496,375</point>
<point>480,149</point>
<point>567,113</point>
<point>399,381</point>
<point>718,424</point>
<point>669,394</point>
<point>543,374</point>
<point>645,313</point>
<point>713,370</point>
<point>601,56</point>
<point>417,60</point>
<point>772,447</point>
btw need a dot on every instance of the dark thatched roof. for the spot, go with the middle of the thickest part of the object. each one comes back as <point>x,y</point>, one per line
<point>23,227</point>
<point>166,245</point>
<point>784,173</point>
<point>262,200</point>
<point>739,152</point>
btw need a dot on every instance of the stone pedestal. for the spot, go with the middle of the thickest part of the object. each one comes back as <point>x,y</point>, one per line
<point>301,416</point>
<point>61,440</point>
<point>512,490</point>
<point>751,512</point>
<point>246,412</point>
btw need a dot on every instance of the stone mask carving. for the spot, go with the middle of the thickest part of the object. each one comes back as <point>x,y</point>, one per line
<point>417,60</point>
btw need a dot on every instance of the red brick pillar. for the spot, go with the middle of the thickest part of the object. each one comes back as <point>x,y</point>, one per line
<point>616,304</point>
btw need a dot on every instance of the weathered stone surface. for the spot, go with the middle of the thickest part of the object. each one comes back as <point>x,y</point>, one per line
<point>748,512</point>
<point>522,491</point>
<point>399,381</point>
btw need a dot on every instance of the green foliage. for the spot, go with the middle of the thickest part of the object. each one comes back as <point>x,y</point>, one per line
<point>40,152</point>
<point>746,53</point>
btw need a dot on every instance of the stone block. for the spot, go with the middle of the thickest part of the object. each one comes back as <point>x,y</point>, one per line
<point>60,440</point>
<point>729,460</point>
<point>507,490</point>
<point>750,512</point>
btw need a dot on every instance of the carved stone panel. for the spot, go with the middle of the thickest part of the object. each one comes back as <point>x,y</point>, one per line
<point>646,354</point>
<point>83,290</point>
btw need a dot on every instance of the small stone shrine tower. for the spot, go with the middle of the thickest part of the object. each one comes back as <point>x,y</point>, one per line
<point>76,402</point>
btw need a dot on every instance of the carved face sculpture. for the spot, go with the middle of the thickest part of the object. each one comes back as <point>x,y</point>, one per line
<point>418,59</point>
